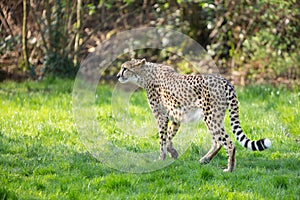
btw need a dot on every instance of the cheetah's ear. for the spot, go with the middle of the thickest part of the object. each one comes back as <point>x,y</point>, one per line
<point>143,61</point>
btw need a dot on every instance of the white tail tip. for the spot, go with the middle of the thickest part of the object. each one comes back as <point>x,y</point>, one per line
<point>267,143</point>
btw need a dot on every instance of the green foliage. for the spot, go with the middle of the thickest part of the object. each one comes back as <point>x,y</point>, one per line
<point>42,157</point>
<point>257,39</point>
<point>59,65</point>
<point>58,59</point>
<point>261,38</point>
<point>91,8</point>
<point>276,45</point>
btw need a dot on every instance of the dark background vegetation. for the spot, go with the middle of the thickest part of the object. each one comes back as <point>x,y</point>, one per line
<point>250,41</point>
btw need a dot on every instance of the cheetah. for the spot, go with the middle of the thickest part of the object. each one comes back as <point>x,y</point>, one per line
<point>172,96</point>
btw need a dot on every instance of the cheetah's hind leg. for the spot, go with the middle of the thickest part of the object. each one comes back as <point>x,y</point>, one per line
<point>211,153</point>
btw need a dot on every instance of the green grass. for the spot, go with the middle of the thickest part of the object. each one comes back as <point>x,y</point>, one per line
<point>43,157</point>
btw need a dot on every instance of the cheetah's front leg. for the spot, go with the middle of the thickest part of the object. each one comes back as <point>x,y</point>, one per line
<point>162,128</point>
<point>171,133</point>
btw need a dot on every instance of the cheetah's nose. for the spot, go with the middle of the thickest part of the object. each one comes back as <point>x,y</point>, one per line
<point>118,75</point>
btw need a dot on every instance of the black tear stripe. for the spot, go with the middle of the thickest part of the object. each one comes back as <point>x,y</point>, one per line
<point>260,145</point>
<point>253,146</point>
<point>124,69</point>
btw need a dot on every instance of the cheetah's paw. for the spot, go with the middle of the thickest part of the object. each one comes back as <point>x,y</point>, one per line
<point>204,161</point>
<point>173,153</point>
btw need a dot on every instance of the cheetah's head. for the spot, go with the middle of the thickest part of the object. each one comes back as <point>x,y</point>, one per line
<point>130,71</point>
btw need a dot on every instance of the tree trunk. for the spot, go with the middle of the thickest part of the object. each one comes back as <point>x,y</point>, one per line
<point>24,35</point>
<point>78,27</point>
<point>50,39</point>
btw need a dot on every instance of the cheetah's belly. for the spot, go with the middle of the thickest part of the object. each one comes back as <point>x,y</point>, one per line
<point>192,115</point>
<point>186,115</point>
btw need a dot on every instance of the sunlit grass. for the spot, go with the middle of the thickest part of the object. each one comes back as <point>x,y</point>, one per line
<point>42,156</point>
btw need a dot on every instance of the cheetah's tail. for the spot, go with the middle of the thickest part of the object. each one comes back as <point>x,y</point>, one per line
<point>254,145</point>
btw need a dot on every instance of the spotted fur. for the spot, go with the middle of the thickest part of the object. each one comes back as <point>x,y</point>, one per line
<point>173,96</point>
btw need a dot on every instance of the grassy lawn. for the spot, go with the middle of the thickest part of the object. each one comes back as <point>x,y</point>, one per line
<point>43,157</point>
